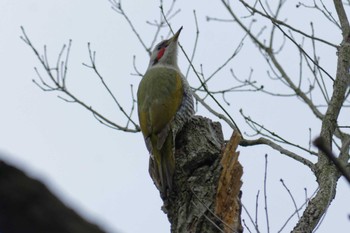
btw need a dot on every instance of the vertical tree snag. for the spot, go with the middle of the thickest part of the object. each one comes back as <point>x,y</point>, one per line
<point>203,198</point>
<point>228,198</point>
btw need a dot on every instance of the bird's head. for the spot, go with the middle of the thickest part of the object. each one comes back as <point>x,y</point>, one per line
<point>165,53</point>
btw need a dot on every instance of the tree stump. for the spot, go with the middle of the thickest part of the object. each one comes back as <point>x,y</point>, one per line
<point>207,180</point>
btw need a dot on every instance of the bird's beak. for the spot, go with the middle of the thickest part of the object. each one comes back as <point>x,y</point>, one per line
<point>176,35</point>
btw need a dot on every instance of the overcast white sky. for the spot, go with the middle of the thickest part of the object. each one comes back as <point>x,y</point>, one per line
<point>103,173</point>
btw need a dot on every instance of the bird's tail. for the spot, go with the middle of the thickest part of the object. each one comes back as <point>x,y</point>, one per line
<point>165,164</point>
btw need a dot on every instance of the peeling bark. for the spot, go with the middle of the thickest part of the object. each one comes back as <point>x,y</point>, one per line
<point>228,197</point>
<point>191,204</point>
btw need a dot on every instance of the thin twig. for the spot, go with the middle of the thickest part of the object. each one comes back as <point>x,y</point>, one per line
<point>265,197</point>
<point>117,7</point>
<point>296,44</point>
<point>275,136</point>
<point>209,210</point>
<point>273,145</point>
<point>92,55</point>
<point>282,23</point>
<point>291,196</point>
<point>297,210</point>
<point>257,209</point>
<point>60,86</point>
<point>278,66</point>
<point>211,110</point>
<point>245,225</point>
<point>250,218</point>
<point>195,43</point>
<point>233,55</point>
<point>209,220</point>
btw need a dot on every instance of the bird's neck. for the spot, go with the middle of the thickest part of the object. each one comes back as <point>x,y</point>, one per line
<point>163,65</point>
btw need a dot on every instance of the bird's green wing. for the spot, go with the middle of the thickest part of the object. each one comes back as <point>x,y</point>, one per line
<point>159,97</point>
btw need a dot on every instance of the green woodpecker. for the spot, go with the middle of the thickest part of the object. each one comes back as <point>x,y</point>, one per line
<point>165,104</point>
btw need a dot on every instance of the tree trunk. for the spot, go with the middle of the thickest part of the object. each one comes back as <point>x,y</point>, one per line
<point>206,193</point>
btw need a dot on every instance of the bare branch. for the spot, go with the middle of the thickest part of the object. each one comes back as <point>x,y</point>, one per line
<point>211,110</point>
<point>320,144</point>
<point>328,15</point>
<point>343,19</point>
<point>246,227</point>
<point>273,145</point>
<point>161,24</point>
<point>265,197</point>
<point>301,49</point>
<point>256,88</point>
<point>321,84</point>
<point>279,22</point>
<point>278,66</point>
<point>132,105</point>
<point>273,136</point>
<point>298,209</point>
<point>251,219</point>
<point>234,54</point>
<point>117,7</point>
<point>195,43</point>
<point>59,83</point>
<point>291,197</point>
<point>138,73</point>
<point>92,55</point>
<point>256,209</point>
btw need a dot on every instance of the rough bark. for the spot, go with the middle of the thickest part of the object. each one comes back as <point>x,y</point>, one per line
<point>27,205</point>
<point>191,205</point>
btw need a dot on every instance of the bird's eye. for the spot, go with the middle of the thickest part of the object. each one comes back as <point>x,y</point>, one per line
<point>161,45</point>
